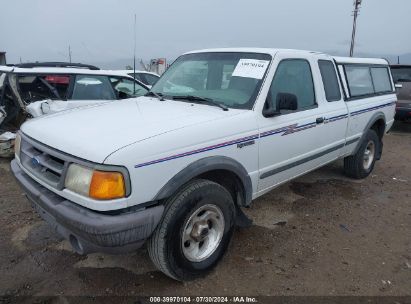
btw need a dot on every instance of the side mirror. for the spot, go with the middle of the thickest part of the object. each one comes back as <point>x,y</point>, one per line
<point>287,101</point>
<point>270,112</point>
<point>284,101</point>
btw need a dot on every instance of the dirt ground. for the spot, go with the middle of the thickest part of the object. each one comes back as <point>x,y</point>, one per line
<point>337,237</point>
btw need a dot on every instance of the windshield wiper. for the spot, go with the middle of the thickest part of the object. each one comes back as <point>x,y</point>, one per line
<point>202,100</point>
<point>158,95</point>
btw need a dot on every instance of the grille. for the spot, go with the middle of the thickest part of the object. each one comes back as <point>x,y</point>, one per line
<point>43,163</point>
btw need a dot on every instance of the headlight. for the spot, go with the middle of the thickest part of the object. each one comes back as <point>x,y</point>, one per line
<point>17,145</point>
<point>78,179</point>
<point>101,185</point>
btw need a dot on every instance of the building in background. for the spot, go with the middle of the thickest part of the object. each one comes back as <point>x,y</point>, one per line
<point>2,58</point>
<point>157,66</point>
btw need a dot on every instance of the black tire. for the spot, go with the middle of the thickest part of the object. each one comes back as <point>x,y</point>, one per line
<point>354,165</point>
<point>165,246</point>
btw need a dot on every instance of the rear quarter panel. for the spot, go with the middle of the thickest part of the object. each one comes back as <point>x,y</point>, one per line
<point>363,110</point>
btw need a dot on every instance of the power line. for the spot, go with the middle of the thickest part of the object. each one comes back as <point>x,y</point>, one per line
<point>357,6</point>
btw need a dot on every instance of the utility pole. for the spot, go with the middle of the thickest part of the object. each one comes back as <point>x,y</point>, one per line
<point>357,5</point>
<point>69,54</point>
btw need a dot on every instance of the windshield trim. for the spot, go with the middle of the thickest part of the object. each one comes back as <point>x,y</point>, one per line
<point>263,81</point>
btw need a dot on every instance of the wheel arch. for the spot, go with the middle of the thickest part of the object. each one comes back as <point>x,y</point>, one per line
<point>220,169</point>
<point>376,123</point>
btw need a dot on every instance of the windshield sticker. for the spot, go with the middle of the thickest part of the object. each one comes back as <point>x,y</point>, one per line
<point>251,68</point>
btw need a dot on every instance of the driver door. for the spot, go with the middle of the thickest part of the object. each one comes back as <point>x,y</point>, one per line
<point>291,142</point>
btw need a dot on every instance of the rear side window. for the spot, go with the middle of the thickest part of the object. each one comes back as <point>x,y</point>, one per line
<point>330,80</point>
<point>359,80</point>
<point>368,80</point>
<point>401,74</point>
<point>40,87</point>
<point>381,78</point>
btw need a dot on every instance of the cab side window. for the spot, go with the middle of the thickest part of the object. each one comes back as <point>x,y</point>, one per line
<point>330,81</point>
<point>293,76</point>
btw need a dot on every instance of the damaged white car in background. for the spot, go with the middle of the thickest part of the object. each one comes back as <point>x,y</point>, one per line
<point>6,138</point>
<point>34,89</point>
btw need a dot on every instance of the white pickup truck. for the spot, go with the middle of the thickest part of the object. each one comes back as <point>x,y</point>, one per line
<point>219,129</point>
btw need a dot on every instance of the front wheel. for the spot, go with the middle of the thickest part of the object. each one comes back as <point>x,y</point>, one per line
<point>362,163</point>
<point>194,232</point>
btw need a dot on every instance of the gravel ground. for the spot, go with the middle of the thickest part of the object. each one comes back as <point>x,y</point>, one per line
<point>321,234</point>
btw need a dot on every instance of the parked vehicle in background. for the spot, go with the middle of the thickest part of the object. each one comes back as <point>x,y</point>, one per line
<point>2,108</point>
<point>2,115</point>
<point>34,89</point>
<point>148,78</point>
<point>402,80</point>
<point>219,129</point>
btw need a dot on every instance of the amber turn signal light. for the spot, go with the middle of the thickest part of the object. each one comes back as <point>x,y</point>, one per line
<point>107,185</point>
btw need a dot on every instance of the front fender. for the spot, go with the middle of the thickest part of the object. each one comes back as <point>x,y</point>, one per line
<point>204,165</point>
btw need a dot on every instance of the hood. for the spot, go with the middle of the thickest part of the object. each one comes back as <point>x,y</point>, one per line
<point>94,132</point>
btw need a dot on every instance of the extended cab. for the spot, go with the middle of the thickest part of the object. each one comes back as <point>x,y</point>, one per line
<point>219,129</point>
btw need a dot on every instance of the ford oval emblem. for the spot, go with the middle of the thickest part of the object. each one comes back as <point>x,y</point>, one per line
<point>35,162</point>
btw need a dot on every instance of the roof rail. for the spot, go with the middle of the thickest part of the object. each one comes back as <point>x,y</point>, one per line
<point>56,65</point>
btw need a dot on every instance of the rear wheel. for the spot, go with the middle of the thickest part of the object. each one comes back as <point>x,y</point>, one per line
<point>194,232</point>
<point>361,164</point>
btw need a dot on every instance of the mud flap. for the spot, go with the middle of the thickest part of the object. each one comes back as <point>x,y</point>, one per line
<point>379,154</point>
<point>242,220</point>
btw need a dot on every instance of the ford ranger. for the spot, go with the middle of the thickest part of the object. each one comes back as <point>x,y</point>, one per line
<point>219,129</point>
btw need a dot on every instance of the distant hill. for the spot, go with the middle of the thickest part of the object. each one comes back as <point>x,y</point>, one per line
<point>404,59</point>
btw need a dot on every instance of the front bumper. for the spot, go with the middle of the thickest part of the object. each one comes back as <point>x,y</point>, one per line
<point>89,231</point>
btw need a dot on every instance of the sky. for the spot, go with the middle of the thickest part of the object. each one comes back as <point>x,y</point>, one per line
<point>101,31</point>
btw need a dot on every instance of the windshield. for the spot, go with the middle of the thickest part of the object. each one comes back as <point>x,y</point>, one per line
<point>401,74</point>
<point>231,79</point>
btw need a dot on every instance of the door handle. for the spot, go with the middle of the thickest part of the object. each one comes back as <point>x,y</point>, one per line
<point>319,120</point>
